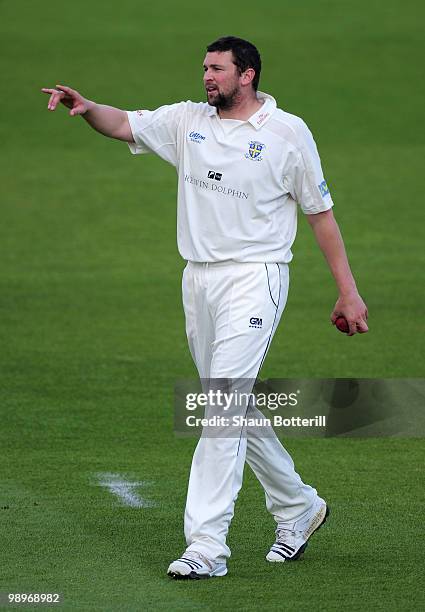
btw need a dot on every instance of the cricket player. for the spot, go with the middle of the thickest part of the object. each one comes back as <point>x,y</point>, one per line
<point>244,166</point>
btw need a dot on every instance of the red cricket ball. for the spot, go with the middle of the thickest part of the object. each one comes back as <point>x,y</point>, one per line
<point>342,325</point>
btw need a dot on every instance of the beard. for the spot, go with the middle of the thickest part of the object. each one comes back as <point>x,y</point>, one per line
<point>225,101</point>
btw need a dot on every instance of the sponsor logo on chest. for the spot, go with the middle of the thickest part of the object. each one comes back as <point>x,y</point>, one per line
<point>196,137</point>
<point>223,190</point>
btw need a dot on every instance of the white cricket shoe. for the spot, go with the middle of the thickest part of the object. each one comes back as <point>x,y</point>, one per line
<point>292,538</point>
<point>193,565</point>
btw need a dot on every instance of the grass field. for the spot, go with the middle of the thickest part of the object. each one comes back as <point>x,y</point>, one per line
<point>92,331</point>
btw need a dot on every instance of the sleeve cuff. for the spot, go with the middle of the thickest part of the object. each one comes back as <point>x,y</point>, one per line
<point>137,147</point>
<point>315,210</point>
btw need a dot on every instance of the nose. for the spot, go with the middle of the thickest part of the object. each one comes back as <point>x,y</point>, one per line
<point>207,76</point>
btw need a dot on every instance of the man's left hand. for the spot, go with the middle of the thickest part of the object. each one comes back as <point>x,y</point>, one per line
<point>354,310</point>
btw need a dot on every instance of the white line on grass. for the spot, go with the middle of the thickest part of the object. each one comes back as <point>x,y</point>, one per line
<point>124,489</point>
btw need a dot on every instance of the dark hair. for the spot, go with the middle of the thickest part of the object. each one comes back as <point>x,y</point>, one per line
<point>245,54</point>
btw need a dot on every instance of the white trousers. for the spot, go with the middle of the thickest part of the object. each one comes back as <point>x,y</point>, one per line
<point>232,311</point>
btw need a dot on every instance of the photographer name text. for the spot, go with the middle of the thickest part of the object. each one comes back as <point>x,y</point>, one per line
<point>240,421</point>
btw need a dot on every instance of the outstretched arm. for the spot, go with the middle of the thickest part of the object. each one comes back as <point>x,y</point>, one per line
<point>107,120</point>
<point>349,304</point>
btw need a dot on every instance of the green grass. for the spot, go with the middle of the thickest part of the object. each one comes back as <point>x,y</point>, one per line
<point>92,330</point>
<point>64,533</point>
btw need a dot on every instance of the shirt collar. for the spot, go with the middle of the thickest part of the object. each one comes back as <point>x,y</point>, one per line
<point>265,111</point>
<point>263,114</point>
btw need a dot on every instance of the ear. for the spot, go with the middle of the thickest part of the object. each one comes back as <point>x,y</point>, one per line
<point>247,76</point>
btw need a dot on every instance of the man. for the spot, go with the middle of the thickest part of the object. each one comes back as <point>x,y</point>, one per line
<point>243,166</point>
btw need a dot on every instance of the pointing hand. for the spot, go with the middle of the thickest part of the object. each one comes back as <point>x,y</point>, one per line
<point>69,97</point>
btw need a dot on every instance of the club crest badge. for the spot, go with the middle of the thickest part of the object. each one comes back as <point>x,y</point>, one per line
<point>254,151</point>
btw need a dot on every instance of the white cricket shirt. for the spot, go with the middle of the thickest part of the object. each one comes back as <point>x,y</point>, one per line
<point>239,182</point>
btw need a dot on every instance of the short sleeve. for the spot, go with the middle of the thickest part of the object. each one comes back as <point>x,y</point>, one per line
<point>306,182</point>
<point>156,131</point>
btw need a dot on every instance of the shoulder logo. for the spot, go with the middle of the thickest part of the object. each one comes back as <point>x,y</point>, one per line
<point>323,188</point>
<point>196,137</point>
<point>254,150</point>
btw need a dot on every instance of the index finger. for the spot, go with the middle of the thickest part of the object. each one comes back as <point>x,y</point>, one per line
<point>51,91</point>
<point>64,89</point>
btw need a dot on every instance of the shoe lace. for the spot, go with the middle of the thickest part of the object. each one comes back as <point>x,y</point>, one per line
<point>197,556</point>
<point>285,536</point>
